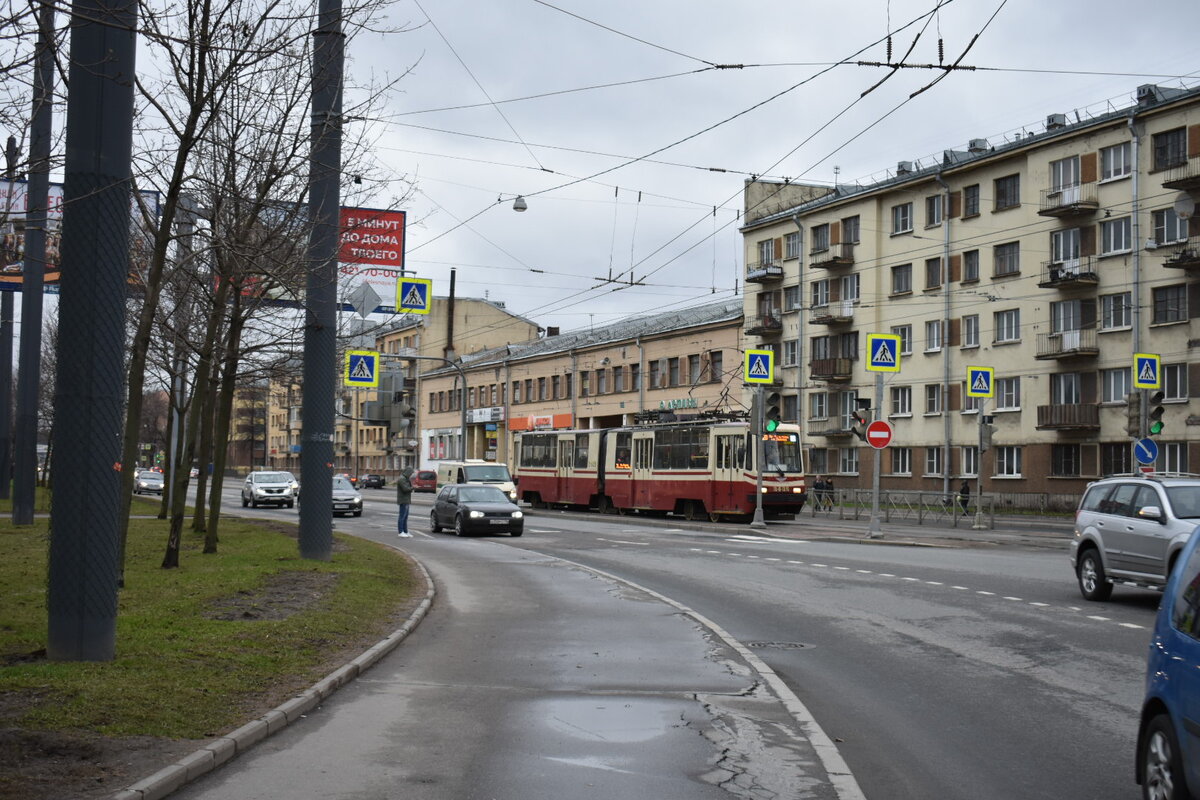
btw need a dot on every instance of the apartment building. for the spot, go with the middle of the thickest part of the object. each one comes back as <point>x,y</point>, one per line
<point>657,366</point>
<point>1051,257</point>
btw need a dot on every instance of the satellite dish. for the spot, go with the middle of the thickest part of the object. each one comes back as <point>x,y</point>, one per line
<point>1185,206</point>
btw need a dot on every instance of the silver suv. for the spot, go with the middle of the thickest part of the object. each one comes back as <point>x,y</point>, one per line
<point>1131,529</point>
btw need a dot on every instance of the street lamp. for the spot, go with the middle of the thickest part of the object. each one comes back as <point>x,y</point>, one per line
<point>519,204</point>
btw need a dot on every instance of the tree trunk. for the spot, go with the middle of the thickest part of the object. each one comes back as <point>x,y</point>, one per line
<point>223,416</point>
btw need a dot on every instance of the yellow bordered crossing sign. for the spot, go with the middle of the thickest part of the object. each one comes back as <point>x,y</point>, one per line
<point>981,382</point>
<point>759,366</point>
<point>1147,371</point>
<point>414,295</point>
<point>362,369</point>
<point>883,352</point>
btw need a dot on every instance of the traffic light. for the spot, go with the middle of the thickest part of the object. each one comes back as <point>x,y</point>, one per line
<point>1133,414</point>
<point>1156,413</point>
<point>986,429</point>
<point>771,412</point>
<point>860,418</point>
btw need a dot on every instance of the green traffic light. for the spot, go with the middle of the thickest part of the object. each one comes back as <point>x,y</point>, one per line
<point>1156,428</point>
<point>772,425</point>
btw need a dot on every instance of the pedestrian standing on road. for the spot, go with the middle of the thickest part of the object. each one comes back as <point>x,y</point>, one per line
<point>403,499</point>
<point>964,497</point>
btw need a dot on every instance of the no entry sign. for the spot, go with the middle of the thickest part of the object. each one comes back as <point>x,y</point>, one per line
<point>879,434</point>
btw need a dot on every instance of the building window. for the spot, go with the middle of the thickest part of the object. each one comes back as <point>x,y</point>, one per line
<point>1170,303</point>
<point>902,279</point>
<point>1170,148</point>
<point>905,334</point>
<point>1064,245</point>
<point>1064,389</point>
<point>716,366</point>
<point>1116,459</point>
<point>1064,173</point>
<point>818,461</point>
<point>635,377</point>
<point>849,460</point>
<point>585,385</point>
<point>1175,381</point>
<point>901,401</point>
<point>766,252</point>
<point>1007,259</point>
<point>1174,456</point>
<point>1116,383</point>
<point>969,404</point>
<point>933,336</point>
<point>618,381</point>
<point>970,461</point>
<point>850,230</point>
<point>933,273</point>
<point>791,350</point>
<point>693,362</point>
<point>791,407</point>
<point>970,264</point>
<point>901,460</point>
<point>1008,394</point>
<point>818,405</point>
<point>971,201</point>
<point>1008,192</point>
<point>1168,227</point>
<point>820,238</point>
<point>791,245</point>
<point>933,211</point>
<point>655,370</point>
<point>791,298</point>
<point>970,330</point>
<point>902,218</point>
<point>1115,161</point>
<point>1008,462</point>
<point>1116,236</point>
<point>1066,315</point>
<point>1064,460</point>
<point>820,293</point>
<point>1007,326</point>
<point>673,371</point>
<point>933,398</point>
<point>822,347</point>
<point>850,284</point>
<point>933,461</point>
<point>1115,311</point>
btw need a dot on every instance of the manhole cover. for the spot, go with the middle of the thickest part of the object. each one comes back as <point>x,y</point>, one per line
<point>778,645</point>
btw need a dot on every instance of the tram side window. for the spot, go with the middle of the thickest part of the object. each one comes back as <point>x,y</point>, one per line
<point>681,448</point>
<point>624,450</point>
<point>581,451</point>
<point>537,450</point>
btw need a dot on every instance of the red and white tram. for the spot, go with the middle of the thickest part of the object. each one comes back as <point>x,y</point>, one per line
<point>698,469</point>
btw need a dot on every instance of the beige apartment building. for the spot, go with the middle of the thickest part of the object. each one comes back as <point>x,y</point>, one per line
<point>657,366</point>
<point>1051,257</point>
<point>454,327</point>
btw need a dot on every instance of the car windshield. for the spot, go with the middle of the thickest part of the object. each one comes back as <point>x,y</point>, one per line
<point>340,482</point>
<point>482,494</point>
<point>497,473</point>
<point>271,477</point>
<point>1185,501</point>
<point>151,476</point>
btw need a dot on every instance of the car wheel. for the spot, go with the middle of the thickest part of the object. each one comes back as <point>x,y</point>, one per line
<point>434,525</point>
<point>291,503</point>
<point>245,502</point>
<point>254,502</point>
<point>1159,762</point>
<point>460,527</point>
<point>1092,582</point>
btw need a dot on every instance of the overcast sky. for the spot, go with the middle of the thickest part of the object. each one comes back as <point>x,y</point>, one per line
<point>613,122</point>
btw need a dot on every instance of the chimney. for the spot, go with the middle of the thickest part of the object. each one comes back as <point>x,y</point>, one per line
<point>1056,121</point>
<point>977,146</point>
<point>904,168</point>
<point>551,330</point>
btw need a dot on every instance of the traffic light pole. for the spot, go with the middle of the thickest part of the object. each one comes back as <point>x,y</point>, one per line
<point>462,392</point>
<point>873,530</point>
<point>758,521</point>
<point>979,524</point>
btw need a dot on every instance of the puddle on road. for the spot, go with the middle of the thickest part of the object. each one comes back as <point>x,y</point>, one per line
<point>619,721</point>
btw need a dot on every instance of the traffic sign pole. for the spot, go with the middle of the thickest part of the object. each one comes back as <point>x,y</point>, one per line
<point>873,530</point>
<point>979,524</point>
<point>758,521</point>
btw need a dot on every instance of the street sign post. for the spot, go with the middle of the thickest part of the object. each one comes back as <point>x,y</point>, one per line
<point>879,434</point>
<point>1147,371</point>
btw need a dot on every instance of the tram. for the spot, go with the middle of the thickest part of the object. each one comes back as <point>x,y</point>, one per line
<point>702,468</point>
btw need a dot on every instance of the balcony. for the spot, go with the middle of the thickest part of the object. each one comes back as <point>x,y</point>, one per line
<point>831,369</point>
<point>766,324</point>
<point>838,255</point>
<point>1069,201</point>
<point>829,429</point>
<point>839,312</point>
<point>1185,176</point>
<point>1068,344</point>
<point>1071,273</point>
<point>764,271</point>
<point>1069,417</point>
<point>1182,255</point>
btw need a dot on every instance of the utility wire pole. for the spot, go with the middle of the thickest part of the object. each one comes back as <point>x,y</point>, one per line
<point>6,342</point>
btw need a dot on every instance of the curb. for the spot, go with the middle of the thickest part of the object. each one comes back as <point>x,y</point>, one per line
<point>231,745</point>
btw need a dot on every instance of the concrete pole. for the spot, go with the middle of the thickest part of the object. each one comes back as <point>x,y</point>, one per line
<point>873,529</point>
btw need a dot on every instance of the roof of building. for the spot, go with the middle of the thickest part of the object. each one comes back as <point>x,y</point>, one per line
<point>656,324</point>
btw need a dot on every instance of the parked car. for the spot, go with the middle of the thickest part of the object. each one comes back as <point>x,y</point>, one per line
<point>346,499</point>
<point>353,480</point>
<point>471,508</point>
<point>1168,748</point>
<point>268,488</point>
<point>424,480</point>
<point>148,483</point>
<point>371,481</point>
<point>295,484</point>
<point>1132,529</point>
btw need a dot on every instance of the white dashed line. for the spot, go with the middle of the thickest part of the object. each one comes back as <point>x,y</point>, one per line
<point>1017,599</point>
<point>989,594</point>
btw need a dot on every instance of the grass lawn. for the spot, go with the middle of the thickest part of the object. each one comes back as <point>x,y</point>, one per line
<point>200,650</point>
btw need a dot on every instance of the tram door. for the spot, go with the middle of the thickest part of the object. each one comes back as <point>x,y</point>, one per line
<point>643,469</point>
<point>566,463</point>
<point>728,461</point>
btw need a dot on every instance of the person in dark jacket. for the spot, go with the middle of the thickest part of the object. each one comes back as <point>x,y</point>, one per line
<point>404,490</point>
<point>964,497</point>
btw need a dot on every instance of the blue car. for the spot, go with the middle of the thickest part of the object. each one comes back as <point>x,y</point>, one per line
<point>1168,751</point>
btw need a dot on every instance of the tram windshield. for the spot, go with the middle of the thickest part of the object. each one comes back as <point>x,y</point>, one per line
<point>782,452</point>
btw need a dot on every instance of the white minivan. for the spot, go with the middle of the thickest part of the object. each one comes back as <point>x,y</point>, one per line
<point>475,470</point>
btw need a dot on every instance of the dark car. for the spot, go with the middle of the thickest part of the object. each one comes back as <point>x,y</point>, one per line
<point>1168,750</point>
<point>371,481</point>
<point>424,480</point>
<point>471,508</point>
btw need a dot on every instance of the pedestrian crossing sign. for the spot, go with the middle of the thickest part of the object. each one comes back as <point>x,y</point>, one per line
<point>1147,371</point>
<point>981,382</point>
<point>883,352</point>
<point>362,369</point>
<point>413,295</point>
<point>760,366</point>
